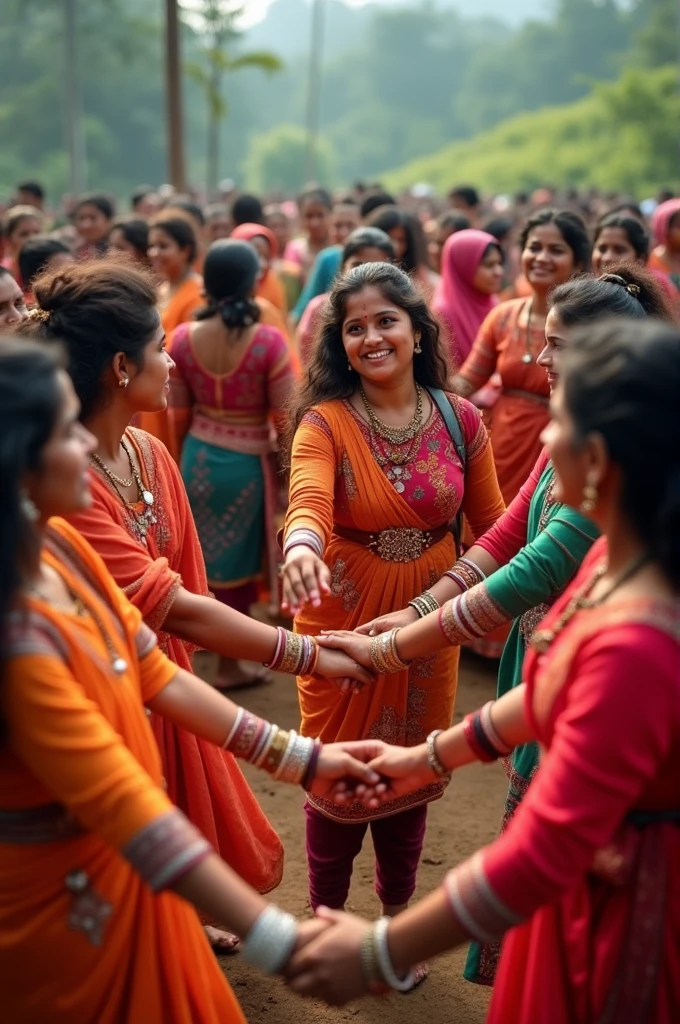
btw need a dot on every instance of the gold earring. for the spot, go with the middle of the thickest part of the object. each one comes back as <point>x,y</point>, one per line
<point>590,498</point>
<point>123,382</point>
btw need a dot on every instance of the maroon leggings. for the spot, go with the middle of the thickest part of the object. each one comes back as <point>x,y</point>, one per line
<point>333,845</point>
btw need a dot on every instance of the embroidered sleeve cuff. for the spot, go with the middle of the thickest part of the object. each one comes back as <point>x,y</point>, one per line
<point>166,849</point>
<point>474,903</point>
<point>305,536</point>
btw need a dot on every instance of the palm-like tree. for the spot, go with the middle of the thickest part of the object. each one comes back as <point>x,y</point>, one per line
<point>214,21</point>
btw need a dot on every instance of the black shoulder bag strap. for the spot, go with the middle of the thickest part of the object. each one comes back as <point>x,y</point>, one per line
<point>455,430</point>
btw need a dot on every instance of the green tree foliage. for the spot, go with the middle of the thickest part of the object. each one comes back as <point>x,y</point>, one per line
<point>278,160</point>
<point>623,136</point>
<point>658,40</point>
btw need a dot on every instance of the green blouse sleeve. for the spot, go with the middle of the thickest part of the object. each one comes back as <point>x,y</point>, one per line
<point>542,569</point>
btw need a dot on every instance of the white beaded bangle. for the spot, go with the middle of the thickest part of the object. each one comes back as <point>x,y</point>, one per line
<point>270,941</point>
<point>385,961</point>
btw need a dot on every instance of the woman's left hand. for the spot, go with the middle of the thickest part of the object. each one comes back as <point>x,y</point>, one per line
<point>342,771</point>
<point>329,967</point>
<point>354,645</point>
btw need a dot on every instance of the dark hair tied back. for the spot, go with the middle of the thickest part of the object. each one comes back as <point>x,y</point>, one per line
<point>628,289</point>
<point>621,380</point>
<point>230,275</point>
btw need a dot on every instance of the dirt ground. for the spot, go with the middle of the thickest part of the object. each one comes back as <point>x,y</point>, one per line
<point>466,818</point>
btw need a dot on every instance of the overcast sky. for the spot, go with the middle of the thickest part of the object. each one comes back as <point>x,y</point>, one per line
<point>254,10</point>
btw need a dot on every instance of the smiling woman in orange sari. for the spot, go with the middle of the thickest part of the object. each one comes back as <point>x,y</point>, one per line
<point>378,475</point>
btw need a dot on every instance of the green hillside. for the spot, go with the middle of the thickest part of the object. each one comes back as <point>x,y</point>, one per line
<point>622,136</point>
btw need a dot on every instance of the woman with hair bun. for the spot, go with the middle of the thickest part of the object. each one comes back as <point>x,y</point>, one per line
<point>232,380</point>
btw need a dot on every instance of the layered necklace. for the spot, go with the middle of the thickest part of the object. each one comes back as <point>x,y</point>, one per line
<point>82,608</point>
<point>544,638</point>
<point>142,520</point>
<point>395,447</point>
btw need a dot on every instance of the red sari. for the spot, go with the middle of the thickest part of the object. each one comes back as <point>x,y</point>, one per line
<point>202,780</point>
<point>591,859</point>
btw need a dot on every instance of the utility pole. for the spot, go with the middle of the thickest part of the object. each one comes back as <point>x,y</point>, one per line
<point>173,92</point>
<point>76,152</point>
<point>314,87</point>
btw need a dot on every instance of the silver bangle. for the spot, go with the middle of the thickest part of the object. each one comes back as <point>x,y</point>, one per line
<point>271,940</point>
<point>437,766</point>
<point>385,961</point>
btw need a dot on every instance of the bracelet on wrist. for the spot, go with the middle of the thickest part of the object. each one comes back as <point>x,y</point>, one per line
<point>295,653</point>
<point>465,574</point>
<point>271,940</point>
<point>387,971</point>
<point>433,759</point>
<point>286,756</point>
<point>383,653</point>
<point>424,604</point>
<point>482,737</point>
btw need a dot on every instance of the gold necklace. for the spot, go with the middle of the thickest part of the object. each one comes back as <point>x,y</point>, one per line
<point>543,638</point>
<point>141,521</point>
<point>396,435</point>
<point>122,481</point>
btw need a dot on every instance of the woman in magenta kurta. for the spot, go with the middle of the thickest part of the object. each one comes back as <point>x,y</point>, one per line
<point>585,881</point>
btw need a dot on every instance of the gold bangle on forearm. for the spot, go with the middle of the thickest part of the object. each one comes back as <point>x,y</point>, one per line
<point>424,604</point>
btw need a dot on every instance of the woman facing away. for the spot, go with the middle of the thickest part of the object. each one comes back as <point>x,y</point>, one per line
<point>382,462</point>
<point>98,868</point>
<point>140,523</point>
<point>584,884</point>
<point>172,252</point>
<point>555,246</point>
<point>232,380</point>
<point>471,278</point>
<point>365,245</point>
<point>410,245</point>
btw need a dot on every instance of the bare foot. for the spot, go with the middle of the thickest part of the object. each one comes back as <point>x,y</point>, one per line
<point>221,941</point>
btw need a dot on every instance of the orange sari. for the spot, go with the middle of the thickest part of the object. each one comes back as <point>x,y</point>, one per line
<point>179,308</point>
<point>336,479</point>
<point>80,778</point>
<point>518,418</point>
<point>204,781</point>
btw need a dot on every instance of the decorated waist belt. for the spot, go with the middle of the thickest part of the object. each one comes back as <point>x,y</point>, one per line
<point>396,544</point>
<point>46,824</point>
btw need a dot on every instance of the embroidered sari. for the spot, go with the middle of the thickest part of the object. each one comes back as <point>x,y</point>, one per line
<point>540,545</point>
<point>204,781</point>
<point>87,934</point>
<point>335,479</point>
<point>226,430</point>
<point>587,874</point>
<point>519,416</point>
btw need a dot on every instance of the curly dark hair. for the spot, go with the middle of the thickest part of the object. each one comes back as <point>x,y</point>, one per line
<point>328,376</point>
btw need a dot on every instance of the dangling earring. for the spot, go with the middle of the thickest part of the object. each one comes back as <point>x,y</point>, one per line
<point>590,498</point>
<point>123,382</point>
<point>29,508</point>
<point>417,349</point>
<point>349,366</point>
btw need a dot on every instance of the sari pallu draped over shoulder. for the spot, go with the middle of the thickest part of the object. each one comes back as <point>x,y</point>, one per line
<point>84,939</point>
<point>402,707</point>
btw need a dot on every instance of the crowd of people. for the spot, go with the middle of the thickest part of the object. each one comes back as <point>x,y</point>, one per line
<point>399,426</point>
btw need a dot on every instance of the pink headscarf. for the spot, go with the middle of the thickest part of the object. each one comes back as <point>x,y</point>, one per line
<point>460,305</point>
<point>661,219</point>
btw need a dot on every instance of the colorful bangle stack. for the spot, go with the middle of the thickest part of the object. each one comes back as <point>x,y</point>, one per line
<point>452,623</point>
<point>285,756</point>
<point>465,574</point>
<point>437,766</point>
<point>376,961</point>
<point>383,653</point>
<point>424,604</point>
<point>294,654</point>
<point>481,735</point>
